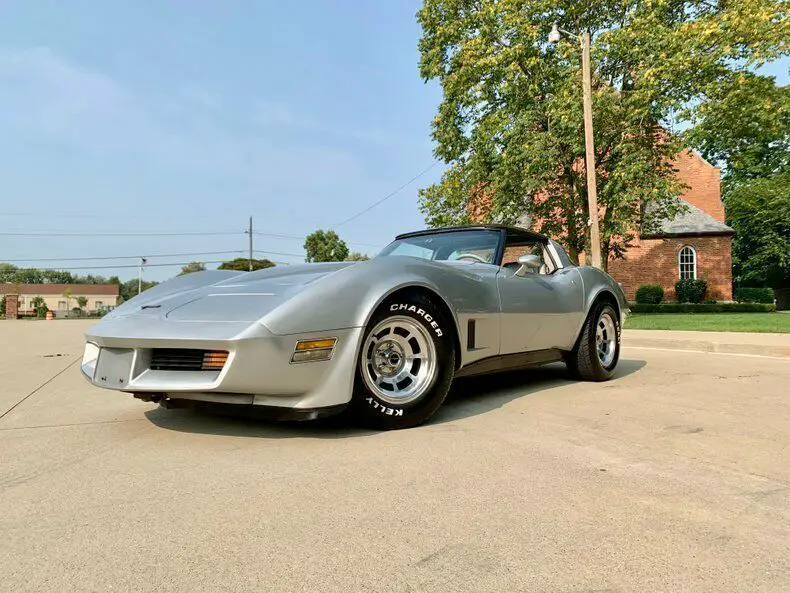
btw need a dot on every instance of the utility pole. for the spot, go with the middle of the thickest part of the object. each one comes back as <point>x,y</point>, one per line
<point>143,261</point>
<point>592,191</point>
<point>250,233</point>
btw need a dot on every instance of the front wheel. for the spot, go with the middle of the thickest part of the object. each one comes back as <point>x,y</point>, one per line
<point>597,350</point>
<point>406,364</point>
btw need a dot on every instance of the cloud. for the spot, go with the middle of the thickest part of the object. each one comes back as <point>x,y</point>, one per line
<point>277,116</point>
<point>45,96</point>
<point>41,92</point>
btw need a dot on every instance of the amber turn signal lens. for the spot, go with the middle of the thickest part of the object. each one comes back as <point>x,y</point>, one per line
<point>313,350</point>
<point>214,360</point>
<point>315,344</point>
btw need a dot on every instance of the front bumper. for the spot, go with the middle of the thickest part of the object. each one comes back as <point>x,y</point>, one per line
<point>258,370</point>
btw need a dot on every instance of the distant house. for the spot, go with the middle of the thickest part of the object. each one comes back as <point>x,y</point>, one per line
<point>99,296</point>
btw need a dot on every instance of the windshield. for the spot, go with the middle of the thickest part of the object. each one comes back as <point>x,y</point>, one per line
<point>470,246</point>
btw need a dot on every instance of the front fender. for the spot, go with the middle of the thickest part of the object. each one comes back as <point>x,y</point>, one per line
<point>349,297</point>
<point>596,282</point>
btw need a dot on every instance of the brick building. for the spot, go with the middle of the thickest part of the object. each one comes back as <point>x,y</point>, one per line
<point>696,244</point>
<point>99,296</point>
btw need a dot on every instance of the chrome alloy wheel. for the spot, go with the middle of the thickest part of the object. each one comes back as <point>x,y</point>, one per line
<point>606,339</point>
<point>398,360</point>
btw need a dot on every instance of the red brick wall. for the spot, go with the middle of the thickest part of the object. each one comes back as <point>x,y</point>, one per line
<point>655,261</point>
<point>12,306</point>
<point>703,181</point>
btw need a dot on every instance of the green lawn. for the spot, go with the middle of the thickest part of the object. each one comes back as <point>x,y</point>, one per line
<point>713,322</point>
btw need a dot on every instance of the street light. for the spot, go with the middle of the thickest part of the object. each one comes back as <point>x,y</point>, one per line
<point>592,191</point>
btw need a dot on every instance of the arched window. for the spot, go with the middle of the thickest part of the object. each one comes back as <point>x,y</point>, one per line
<point>687,262</point>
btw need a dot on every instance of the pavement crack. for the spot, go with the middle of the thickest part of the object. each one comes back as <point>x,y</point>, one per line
<point>66,425</point>
<point>40,387</point>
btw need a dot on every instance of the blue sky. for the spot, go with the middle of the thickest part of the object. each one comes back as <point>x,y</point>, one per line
<point>190,116</point>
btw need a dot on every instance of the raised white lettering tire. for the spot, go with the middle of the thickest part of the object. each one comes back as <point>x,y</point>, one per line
<point>406,364</point>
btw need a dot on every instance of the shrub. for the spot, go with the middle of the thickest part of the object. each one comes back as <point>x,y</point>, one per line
<point>754,295</point>
<point>649,294</point>
<point>703,308</point>
<point>688,290</point>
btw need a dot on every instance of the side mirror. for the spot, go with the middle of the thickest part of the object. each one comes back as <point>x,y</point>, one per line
<point>528,261</point>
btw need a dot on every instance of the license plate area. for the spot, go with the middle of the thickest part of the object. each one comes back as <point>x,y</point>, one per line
<point>114,367</point>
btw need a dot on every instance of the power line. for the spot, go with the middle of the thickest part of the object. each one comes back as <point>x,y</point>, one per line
<point>297,238</point>
<point>279,253</point>
<point>388,196</point>
<point>111,257</point>
<point>86,234</point>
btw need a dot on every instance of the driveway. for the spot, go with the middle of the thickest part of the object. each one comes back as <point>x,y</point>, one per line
<point>675,476</point>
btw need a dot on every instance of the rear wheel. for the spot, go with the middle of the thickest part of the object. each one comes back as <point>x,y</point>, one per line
<point>597,350</point>
<point>406,364</point>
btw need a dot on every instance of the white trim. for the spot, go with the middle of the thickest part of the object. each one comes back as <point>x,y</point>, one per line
<point>693,261</point>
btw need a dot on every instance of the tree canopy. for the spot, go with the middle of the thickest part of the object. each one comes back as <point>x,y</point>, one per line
<point>191,267</point>
<point>746,131</point>
<point>325,246</point>
<point>242,264</point>
<point>16,275</point>
<point>510,123</point>
<point>357,256</point>
<point>759,212</point>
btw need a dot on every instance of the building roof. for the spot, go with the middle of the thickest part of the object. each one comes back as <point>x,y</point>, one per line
<point>692,222</point>
<point>59,289</point>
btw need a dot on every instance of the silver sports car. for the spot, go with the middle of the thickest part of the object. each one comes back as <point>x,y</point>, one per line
<point>384,337</point>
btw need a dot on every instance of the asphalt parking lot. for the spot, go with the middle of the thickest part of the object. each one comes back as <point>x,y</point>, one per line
<point>673,477</point>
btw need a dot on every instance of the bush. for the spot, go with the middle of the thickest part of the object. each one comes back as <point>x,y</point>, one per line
<point>703,308</point>
<point>754,295</point>
<point>649,294</point>
<point>688,290</point>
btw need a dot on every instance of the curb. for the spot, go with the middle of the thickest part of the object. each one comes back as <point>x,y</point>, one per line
<point>705,346</point>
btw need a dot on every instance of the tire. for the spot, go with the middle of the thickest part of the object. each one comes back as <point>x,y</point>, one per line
<point>392,389</point>
<point>597,351</point>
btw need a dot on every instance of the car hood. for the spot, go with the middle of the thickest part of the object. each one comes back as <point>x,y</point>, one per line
<point>247,296</point>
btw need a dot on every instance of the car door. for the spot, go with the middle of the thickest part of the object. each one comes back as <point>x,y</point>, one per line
<point>539,311</point>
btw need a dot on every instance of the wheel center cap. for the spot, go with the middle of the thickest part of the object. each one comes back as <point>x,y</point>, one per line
<point>389,359</point>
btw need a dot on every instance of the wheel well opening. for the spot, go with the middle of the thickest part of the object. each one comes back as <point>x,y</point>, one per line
<point>439,303</point>
<point>607,297</point>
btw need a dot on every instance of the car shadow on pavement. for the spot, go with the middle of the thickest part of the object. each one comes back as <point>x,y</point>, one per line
<point>478,395</point>
<point>468,397</point>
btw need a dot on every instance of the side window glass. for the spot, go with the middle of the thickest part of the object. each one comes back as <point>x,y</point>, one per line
<point>513,252</point>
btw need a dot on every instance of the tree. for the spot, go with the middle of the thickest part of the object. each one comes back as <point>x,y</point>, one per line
<point>242,264</point>
<point>746,131</point>
<point>745,128</point>
<point>191,267</point>
<point>128,289</point>
<point>510,122</point>
<point>356,256</point>
<point>324,246</point>
<point>82,302</point>
<point>67,293</point>
<point>760,214</point>
<point>39,306</point>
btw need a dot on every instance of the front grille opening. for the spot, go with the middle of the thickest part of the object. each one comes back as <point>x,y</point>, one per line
<point>187,359</point>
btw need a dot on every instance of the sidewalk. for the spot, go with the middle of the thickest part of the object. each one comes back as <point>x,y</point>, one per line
<point>724,342</point>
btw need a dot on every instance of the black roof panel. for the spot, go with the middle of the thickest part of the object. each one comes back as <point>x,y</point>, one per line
<point>515,232</point>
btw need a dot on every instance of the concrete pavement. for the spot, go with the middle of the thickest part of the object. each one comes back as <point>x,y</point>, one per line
<point>757,344</point>
<point>675,476</point>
